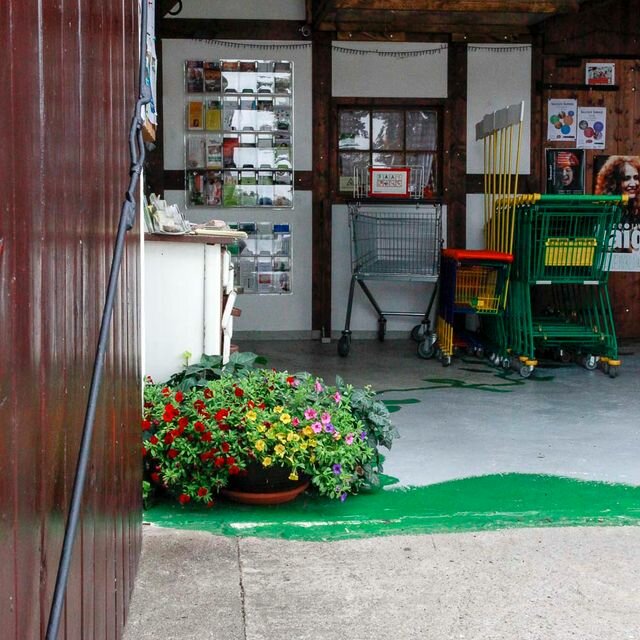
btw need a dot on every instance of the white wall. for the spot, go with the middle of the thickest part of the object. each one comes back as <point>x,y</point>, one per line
<point>243,9</point>
<point>384,76</point>
<point>283,313</point>
<point>497,76</point>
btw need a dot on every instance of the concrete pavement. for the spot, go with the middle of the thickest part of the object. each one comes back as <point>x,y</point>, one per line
<point>518,584</point>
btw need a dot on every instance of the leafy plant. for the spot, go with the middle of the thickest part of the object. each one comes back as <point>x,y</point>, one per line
<point>211,368</point>
<point>199,436</point>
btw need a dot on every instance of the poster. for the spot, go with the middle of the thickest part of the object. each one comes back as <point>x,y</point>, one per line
<point>592,127</point>
<point>561,119</point>
<point>565,171</point>
<point>600,73</point>
<point>617,175</point>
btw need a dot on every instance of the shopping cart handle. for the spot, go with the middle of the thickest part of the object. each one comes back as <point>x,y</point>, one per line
<point>476,254</point>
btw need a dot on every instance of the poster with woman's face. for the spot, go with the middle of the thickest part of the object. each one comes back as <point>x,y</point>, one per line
<point>618,175</point>
<point>565,171</point>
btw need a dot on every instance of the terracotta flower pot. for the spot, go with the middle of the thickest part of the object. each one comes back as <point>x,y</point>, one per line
<point>265,485</point>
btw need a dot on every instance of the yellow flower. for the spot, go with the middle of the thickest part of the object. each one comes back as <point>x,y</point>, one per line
<point>285,418</point>
<point>313,443</point>
<point>293,476</point>
<point>251,416</point>
<point>336,436</point>
<point>308,431</point>
<point>303,446</point>
<point>290,436</point>
<point>267,462</point>
<point>312,458</point>
<point>261,428</point>
<point>278,409</point>
<point>260,445</point>
<point>282,437</point>
<point>280,450</point>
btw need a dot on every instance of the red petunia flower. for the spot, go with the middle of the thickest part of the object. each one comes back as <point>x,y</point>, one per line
<point>230,460</point>
<point>155,476</point>
<point>208,393</point>
<point>166,392</point>
<point>238,392</point>
<point>146,425</point>
<point>199,426</point>
<point>251,404</point>
<point>219,461</point>
<point>290,380</point>
<point>209,504</point>
<point>179,396</point>
<point>206,436</point>
<point>198,405</point>
<point>144,451</point>
<point>261,405</point>
<point>221,415</point>
<point>153,440</point>
<point>184,498</point>
<point>172,453</point>
<point>225,447</point>
<point>234,470</point>
<point>183,422</point>
<point>223,427</point>
<point>169,438</point>
<point>202,492</point>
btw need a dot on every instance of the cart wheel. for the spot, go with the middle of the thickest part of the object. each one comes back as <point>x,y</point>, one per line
<point>613,372</point>
<point>418,333</point>
<point>479,352</point>
<point>382,328</point>
<point>506,364</point>
<point>564,356</point>
<point>525,370</point>
<point>606,368</point>
<point>344,345</point>
<point>590,362</point>
<point>426,348</point>
<point>446,361</point>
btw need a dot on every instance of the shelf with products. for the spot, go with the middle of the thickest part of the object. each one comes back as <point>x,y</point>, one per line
<point>262,262</point>
<point>239,133</point>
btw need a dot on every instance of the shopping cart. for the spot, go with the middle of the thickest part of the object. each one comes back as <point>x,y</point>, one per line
<point>558,298</point>
<point>395,243</point>
<point>471,282</point>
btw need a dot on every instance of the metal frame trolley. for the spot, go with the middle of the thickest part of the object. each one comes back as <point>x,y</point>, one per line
<point>394,242</point>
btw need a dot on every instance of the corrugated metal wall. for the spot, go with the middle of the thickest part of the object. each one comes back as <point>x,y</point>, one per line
<point>67,88</point>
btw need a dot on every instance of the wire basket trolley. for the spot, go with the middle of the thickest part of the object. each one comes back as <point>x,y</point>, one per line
<point>395,243</point>
<point>472,282</point>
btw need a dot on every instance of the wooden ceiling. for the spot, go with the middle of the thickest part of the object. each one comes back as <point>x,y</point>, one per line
<point>398,20</point>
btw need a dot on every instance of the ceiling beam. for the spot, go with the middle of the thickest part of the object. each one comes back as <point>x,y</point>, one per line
<point>464,6</point>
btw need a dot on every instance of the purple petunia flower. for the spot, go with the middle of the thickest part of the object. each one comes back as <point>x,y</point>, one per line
<point>329,428</point>
<point>310,414</point>
<point>343,497</point>
<point>363,435</point>
<point>317,427</point>
<point>337,469</point>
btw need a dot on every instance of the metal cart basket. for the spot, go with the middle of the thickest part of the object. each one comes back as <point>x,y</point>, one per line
<point>395,243</point>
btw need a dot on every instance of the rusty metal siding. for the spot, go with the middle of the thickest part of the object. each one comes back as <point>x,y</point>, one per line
<point>68,87</point>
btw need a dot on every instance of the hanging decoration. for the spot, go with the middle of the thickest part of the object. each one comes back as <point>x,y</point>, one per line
<point>390,54</point>
<point>499,48</point>
<point>250,45</point>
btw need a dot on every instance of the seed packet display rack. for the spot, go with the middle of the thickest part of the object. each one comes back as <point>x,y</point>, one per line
<point>397,240</point>
<point>239,133</point>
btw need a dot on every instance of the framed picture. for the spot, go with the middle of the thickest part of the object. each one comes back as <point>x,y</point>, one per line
<point>388,183</point>
<point>600,73</point>
<point>565,171</point>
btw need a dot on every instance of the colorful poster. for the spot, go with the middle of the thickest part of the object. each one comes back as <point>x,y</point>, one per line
<point>561,119</point>
<point>621,175</point>
<point>592,127</point>
<point>565,171</point>
<point>600,73</point>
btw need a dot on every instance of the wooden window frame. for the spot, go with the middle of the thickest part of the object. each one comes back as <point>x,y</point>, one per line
<point>373,104</point>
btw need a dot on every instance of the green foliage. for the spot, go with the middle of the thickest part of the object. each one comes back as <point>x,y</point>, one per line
<point>211,368</point>
<point>200,432</point>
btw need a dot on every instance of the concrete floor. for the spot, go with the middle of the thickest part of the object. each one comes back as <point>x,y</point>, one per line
<point>466,420</point>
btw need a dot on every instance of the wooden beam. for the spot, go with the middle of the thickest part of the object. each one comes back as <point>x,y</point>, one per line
<point>231,29</point>
<point>320,10</point>
<point>464,6</point>
<point>321,197</point>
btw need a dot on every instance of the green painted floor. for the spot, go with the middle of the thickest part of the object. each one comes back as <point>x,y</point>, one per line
<point>471,504</point>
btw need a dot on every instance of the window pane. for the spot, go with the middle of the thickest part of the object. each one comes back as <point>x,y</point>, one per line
<point>349,162</point>
<point>388,159</point>
<point>424,173</point>
<point>354,130</point>
<point>388,130</point>
<point>422,129</point>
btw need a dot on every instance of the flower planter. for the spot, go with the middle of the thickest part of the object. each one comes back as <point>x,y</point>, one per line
<point>264,485</point>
